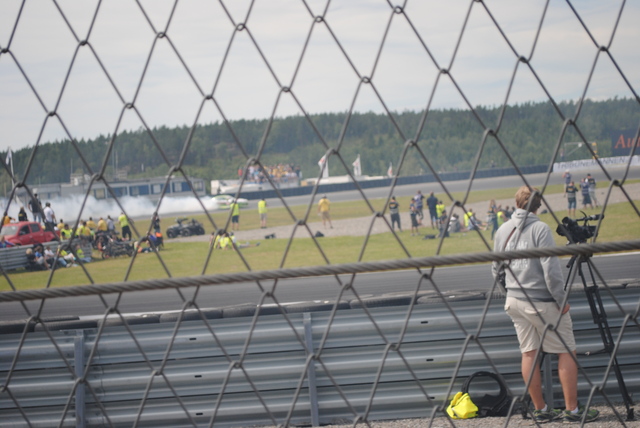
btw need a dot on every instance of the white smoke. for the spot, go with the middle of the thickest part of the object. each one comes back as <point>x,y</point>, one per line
<point>70,208</point>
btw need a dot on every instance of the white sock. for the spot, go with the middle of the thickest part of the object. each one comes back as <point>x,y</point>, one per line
<point>575,410</point>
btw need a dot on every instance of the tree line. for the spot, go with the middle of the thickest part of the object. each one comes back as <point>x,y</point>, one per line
<point>449,139</point>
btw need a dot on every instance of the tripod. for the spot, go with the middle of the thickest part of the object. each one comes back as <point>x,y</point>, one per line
<point>600,319</point>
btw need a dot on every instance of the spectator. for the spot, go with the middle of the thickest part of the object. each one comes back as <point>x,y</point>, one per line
<point>454,224</point>
<point>418,204</point>
<point>234,207</point>
<point>151,241</point>
<point>34,262</point>
<point>535,298</point>
<point>507,212</point>
<point>262,212</point>
<point>592,190</point>
<point>466,218</point>
<point>22,215</point>
<point>492,218</point>
<point>214,239</point>
<point>501,216</point>
<point>225,242</point>
<point>36,208</point>
<point>414,214</point>
<point>84,232</point>
<point>394,211</point>
<point>124,226</point>
<point>155,221</point>
<point>4,243</point>
<point>440,209</point>
<point>66,256</point>
<point>80,255</point>
<point>567,178</point>
<point>324,207</point>
<point>92,225</point>
<point>443,225</point>
<point>65,232</point>
<point>102,225</point>
<point>570,192</point>
<point>38,252</point>
<point>51,259</point>
<point>473,222</point>
<point>586,197</point>
<point>432,203</point>
<point>49,218</point>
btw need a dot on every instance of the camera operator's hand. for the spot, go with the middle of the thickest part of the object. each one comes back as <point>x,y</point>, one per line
<point>566,309</point>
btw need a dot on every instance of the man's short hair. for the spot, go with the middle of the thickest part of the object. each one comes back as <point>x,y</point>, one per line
<point>524,194</point>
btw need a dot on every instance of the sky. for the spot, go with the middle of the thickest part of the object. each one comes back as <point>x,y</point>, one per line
<point>45,67</point>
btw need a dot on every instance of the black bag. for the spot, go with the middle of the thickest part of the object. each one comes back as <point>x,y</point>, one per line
<point>319,234</point>
<point>489,405</point>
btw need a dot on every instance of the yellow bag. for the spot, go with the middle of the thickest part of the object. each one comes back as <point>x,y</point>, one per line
<point>461,407</point>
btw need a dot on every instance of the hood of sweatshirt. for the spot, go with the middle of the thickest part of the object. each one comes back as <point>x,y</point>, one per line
<point>521,216</point>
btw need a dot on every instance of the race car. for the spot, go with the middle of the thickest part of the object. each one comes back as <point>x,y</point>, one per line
<point>223,201</point>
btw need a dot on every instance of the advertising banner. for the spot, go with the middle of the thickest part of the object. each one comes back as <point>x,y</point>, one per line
<point>622,142</point>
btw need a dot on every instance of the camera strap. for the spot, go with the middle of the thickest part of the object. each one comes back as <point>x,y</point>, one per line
<point>509,237</point>
<point>504,265</point>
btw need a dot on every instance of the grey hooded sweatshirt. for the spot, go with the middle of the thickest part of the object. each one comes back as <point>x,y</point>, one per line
<point>541,279</point>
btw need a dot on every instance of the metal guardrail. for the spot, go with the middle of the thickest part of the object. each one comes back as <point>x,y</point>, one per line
<point>15,257</point>
<point>198,367</point>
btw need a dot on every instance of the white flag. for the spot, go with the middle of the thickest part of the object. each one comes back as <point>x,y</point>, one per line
<point>10,163</point>
<point>323,163</point>
<point>390,170</point>
<point>357,168</point>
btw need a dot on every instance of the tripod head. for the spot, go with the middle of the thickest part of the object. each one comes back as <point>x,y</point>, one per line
<point>578,234</point>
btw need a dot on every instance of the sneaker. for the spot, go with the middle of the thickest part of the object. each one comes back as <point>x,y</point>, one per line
<point>549,415</point>
<point>592,415</point>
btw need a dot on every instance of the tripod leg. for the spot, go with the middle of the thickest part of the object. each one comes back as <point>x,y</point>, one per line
<point>600,319</point>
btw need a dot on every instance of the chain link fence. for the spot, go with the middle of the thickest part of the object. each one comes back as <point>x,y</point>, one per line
<point>285,77</point>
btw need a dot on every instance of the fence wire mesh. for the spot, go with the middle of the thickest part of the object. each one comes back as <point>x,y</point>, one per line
<point>159,33</point>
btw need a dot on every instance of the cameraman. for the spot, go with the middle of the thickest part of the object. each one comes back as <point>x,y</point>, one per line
<point>535,292</point>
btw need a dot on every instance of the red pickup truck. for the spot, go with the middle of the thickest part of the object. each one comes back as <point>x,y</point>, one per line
<point>27,233</point>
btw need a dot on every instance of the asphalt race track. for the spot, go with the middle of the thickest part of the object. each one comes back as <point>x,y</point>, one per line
<point>615,269</point>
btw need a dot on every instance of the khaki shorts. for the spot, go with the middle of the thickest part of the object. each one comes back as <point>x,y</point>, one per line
<point>325,215</point>
<point>530,326</point>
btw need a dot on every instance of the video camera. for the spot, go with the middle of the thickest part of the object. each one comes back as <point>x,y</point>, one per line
<point>577,233</point>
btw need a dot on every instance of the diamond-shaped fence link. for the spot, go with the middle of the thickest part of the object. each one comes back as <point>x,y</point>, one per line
<point>161,362</point>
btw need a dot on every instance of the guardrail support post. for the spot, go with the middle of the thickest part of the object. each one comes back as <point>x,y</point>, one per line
<point>78,357</point>
<point>311,371</point>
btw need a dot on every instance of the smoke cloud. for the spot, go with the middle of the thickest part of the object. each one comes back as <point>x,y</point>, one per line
<point>70,209</point>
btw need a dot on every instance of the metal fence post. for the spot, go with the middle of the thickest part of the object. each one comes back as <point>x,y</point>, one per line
<point>78,357</point>
<point>311,371</point>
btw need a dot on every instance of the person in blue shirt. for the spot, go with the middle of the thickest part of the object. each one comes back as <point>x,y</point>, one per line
<point>4,243</point>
